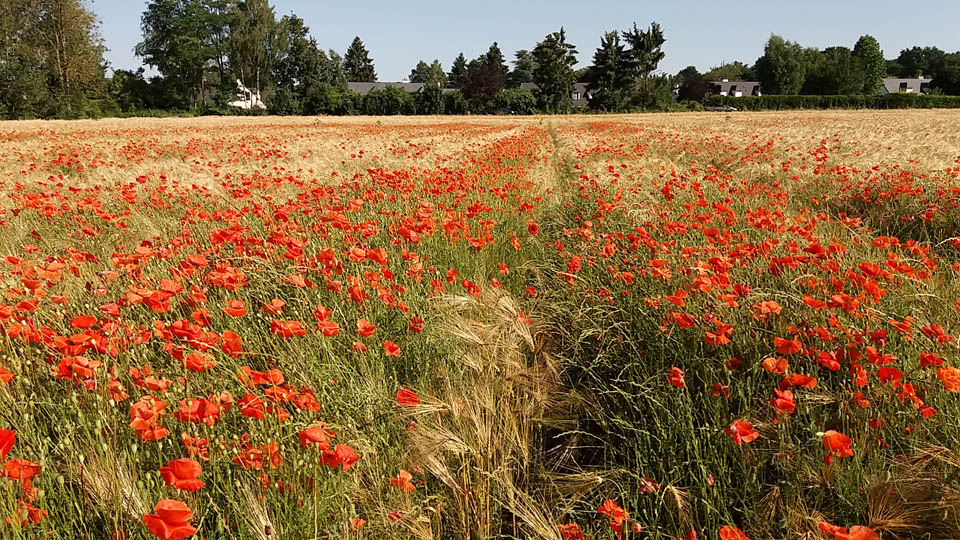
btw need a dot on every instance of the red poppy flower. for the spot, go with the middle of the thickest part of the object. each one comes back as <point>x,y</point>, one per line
<point>775,365</point>
<point>837,444</point>
<point>318,434</point>
<point>274,307</point>
<point>571,531</point>
<point>675,377</point>
<point>407,397</point>
<point>390,348</point>
<point>341,456</point>
<point>365,329</point>
<point>616,514</point>
<point>170,520</point>
<point>83,321</point>
<point>787,346</point>
<point>7,440</point>
<point>402,482</point>
<point>732,533</point>
<point>950,377</point>
<point>182,474</point>
<point>21,469</point>
<point>287,329</point>
<point>199,362</point>
<point>741,432</point>
<point>784,401</point>
<point>235,308</point>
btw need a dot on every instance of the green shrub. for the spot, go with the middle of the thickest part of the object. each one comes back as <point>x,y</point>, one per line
<point>389,101</point>
<point>515,100</point>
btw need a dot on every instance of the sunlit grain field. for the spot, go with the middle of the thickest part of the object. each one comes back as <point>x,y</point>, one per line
<point>658,326</point>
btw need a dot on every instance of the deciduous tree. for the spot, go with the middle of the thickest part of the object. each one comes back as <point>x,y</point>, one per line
<point>867,51</point>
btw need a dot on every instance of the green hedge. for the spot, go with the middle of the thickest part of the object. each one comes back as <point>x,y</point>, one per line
<point>885,101</point>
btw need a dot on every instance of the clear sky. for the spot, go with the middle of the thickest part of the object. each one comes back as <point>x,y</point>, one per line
<point>398,33</point>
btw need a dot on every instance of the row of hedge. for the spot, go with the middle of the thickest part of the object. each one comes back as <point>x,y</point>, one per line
<point>884,101</point>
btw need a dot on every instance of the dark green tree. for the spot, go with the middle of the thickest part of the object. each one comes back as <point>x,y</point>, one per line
<point>783,67</point>
<point>51,58</point>
<point>867,52</point>
<point>733,71</point>
<point>554,74</point>
<point>917,61</point>
<point>298,64</point>
<point>454,102</point>
<point>457,78</point>
<point>610,78</point>
<point>693,88</point>
<point>947,79</point>
<point>494,57</point>
<point>484,81</point>
<point>643,55</point>
<point>431,75</point>
<point>834,71</point>
<point>429,100</point>
<point>177,42</point>
<point>523,68</point>
<point>688,72</point>
<point>357,64</point>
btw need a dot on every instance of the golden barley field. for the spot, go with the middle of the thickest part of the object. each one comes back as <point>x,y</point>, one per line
<point>688,325</point>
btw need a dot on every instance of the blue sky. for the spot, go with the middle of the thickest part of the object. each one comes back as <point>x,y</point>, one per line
<point>399,33</point>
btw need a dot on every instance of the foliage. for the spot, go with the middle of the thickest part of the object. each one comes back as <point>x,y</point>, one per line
<point>783,67</point>
<point>324,98</point>
<point>644,53</point>
<point>178,42</point>
<point>916,61</point>
<point>431,75</point>
<point>454,102</point>
<point>457,78</point>
<point>388,101</point>
<point>483,82</point>
<point>430,100</point>
<point>733,71</point>
<point>693,89</point>
<point>523,67</point>
<point>611,84</point>
<point>835,71</point>
<point>51,59</point>
<point>494,57</point>
<point>554,73</point>
<point>867,51</point>
<point>515,100</point>
<point>357,64</point>
<point>254,46</point>
<point>685,74</point>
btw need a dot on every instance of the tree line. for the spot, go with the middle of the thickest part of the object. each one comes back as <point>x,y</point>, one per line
<point>52,65</point>
<point>788,68</point>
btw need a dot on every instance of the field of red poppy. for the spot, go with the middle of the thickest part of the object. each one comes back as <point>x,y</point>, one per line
<point>658,326</point>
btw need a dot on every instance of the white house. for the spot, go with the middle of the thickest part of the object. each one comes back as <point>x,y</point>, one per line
<point>735,88</point>
<point>918,85</point>
<point>246,98</point>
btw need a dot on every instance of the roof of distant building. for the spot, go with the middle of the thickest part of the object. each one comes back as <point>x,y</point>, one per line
<point>365,88</point>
